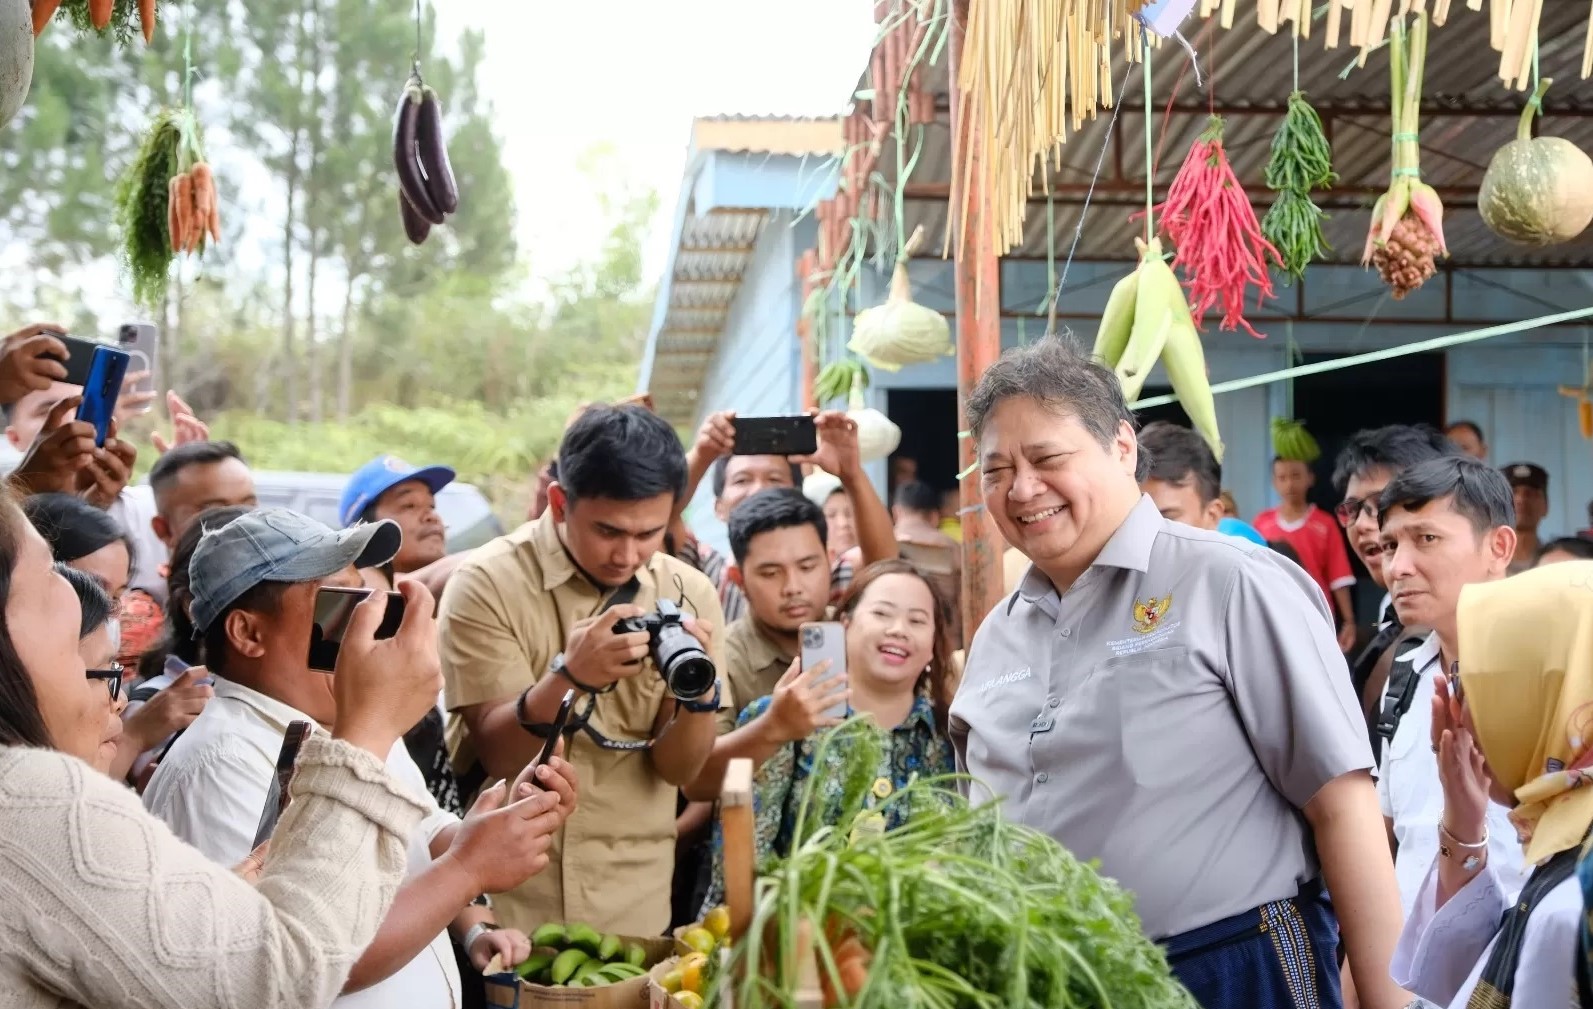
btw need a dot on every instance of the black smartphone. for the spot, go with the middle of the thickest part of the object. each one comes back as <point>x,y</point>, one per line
<point>792,435</point>
<point>277,795</point>
<point>79,356</point>
<point>559,722</point>
<point>334,608</point>
<point>107,370</point>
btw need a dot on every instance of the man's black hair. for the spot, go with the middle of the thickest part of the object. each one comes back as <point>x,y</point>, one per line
<point>1579,547</point>
<point>768,510</point>
<point>722,465</point>
<point>1177,455</point>
<point>917,496</point>
<point>195,453</point>
<point>1469,425</point>
<point>1478,491</point>
<point>266,597</point>
<point>622,453</point>
<point>1395,448</point>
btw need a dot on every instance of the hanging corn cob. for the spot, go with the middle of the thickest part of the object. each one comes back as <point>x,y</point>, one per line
<point>1147,320</point>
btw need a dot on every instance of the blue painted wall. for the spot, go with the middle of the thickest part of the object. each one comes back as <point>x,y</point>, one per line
<point>758,370</point>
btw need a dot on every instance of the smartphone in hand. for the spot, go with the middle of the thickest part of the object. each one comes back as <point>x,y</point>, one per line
<point>107,369</point>
<point>793,435</point>
<point>826,641</point>
<point>140,340</point>
<point>334,609</point>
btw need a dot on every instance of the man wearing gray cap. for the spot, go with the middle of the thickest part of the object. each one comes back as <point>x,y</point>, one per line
<point>254,584</point>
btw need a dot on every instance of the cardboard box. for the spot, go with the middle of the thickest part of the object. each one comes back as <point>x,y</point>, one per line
<point>657,997</point>
<point>506,991</point>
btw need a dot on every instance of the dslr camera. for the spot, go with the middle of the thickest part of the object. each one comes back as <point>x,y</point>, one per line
<point>687,670</point>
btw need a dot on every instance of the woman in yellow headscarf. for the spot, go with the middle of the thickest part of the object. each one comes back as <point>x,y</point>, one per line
<point>1513,721</point>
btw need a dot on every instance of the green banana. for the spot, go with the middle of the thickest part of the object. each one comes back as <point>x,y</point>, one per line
<point>611,948</point>
<point>566,964</point>
<point>587,972</point>
<point>551,936</point>
<point>534,965</point>
<point>1185,363</point>
<point>585,937</point>
<point>1117,321</point>
<point>635,955</point>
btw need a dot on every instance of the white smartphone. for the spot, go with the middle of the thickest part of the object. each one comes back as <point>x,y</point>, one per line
<point>821,641</point>
<point>140,340</point>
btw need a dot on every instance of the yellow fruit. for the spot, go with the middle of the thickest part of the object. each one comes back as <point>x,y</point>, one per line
<point>698,960</point>
<point>689,1000</point>
<point>671,982</point>
<point>691,979</point>
<point>701,940</point>
<point>717,922</point>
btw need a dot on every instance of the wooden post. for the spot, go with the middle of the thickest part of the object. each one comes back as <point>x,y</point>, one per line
<point>807,276</point>
<point>978,288</point>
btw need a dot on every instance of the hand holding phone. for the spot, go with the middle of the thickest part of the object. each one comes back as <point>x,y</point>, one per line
<point>31,359</point>
<point>334,611</point>
<point>107,369</point>
<point>790,435</point>
<point>825,642</point>
<point>550,746</point>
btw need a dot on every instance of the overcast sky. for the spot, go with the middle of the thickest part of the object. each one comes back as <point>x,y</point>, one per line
<point>633,73</point>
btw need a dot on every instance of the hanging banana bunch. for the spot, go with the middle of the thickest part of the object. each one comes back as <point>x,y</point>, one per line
<point>1147,319</point>
<point>1291,441</point>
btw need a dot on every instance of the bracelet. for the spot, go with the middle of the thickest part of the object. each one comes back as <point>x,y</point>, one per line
<point>1479,846</point>
<point>477,930</point>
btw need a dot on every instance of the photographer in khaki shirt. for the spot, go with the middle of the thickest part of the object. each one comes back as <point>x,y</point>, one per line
<point>532,615</point>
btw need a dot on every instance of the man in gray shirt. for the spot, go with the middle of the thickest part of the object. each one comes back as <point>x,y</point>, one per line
<point>1172,702</point>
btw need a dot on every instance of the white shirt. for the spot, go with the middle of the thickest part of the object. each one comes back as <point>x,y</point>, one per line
<point>1442,953</point>
<point>212,785</point>
<point>134,508</point>
<point>1412,797</point>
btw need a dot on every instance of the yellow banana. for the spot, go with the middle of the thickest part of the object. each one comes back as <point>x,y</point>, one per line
<point>1185,362</point>
<point>1116,322</point>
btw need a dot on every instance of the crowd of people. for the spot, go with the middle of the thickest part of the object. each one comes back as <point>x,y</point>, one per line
<point>1309,812</point>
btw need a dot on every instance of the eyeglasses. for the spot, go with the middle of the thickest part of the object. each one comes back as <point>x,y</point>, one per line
<point>1455,689</point>
<point>112,677</point>
<point>1351,509</point>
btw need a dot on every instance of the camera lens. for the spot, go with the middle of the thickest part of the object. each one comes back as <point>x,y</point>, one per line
<point>685,667</point>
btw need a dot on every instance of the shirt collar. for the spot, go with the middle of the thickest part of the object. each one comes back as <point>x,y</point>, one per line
<point>762,651</point>
<point>558,567</point>
<point>268,709</point>
<point>1129,548</point>
<point>922,716</point>
<point>1426,653</point>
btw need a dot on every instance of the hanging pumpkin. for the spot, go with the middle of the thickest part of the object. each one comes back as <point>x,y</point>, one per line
<point>901,332</point>
<point>1537,191</point>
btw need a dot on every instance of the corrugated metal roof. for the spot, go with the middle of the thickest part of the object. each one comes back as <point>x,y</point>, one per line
<point>1469,115</point>
<point>794,135</point>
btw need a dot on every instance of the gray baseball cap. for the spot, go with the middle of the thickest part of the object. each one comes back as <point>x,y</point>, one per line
<point>278,545</point>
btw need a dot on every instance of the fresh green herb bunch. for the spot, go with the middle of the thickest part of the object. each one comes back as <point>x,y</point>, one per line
<point>959,908</point>
<point>124,24</point>
<point>172,144</point>
<point>1301,161</point>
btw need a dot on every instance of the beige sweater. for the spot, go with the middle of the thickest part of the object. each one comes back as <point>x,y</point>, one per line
<point>102,907</point>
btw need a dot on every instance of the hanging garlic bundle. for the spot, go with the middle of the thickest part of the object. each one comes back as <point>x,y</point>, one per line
<point>901,332</point>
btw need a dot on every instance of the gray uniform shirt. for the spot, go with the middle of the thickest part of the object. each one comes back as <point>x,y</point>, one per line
<point>1170,715</point>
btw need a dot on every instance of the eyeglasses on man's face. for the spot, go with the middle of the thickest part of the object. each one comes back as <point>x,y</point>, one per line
<point>112,676</point>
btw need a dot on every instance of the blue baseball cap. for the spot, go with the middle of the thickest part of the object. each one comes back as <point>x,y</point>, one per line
<point>381,475</point>
<point>278,545</point>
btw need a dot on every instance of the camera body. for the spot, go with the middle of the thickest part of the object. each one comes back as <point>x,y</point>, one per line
<point>686,669</point>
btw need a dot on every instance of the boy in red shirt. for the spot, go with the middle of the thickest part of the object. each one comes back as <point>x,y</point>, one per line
<point>1315,537</point>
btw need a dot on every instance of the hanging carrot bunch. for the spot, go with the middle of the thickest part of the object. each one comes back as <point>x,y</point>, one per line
<point>1220,249</point>
<point>166,203</point>
<point>1407,231</point>
<point>120,17</point>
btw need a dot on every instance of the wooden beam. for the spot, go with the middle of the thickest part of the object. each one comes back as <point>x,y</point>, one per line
<point>978,280</point>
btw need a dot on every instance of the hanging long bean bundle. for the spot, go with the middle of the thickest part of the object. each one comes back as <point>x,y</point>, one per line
<point>1301,161</point>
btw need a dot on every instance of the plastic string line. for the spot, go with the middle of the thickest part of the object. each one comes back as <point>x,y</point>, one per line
<point>1420,347</point>
<point>188,55</point>
<point>1150,154</point>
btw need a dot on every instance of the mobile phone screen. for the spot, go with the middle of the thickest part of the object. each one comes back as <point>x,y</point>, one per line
<point>793,435</point>
<point>107,369</point>
<point>334,609</point>
<point>559,722</point>
<point>821,641</point>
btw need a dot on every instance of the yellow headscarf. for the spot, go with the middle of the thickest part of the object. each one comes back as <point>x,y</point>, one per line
<point>1526,667</point>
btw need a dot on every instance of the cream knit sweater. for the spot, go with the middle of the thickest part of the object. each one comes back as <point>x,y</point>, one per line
<point>102,907</point>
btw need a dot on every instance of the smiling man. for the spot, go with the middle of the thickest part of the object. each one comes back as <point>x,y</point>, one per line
<point>1172,702</point>
<point>1446,523</point>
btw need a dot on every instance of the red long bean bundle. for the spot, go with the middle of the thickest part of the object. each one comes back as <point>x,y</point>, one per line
<point>1220,249</point>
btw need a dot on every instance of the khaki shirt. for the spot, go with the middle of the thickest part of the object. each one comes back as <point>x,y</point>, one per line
<point>1170,715</point>
<point>753,665</point>
<point>506,614</point>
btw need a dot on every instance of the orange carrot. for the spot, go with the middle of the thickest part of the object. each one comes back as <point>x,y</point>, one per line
<point>43,11</point>
<point>173,220</point>
<point>185,208</point>
<point>215,221</point>
<point>100,13</point>
<point>146,19</point>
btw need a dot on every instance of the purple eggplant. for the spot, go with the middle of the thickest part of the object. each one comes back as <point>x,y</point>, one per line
<point>433,151</point>
<point>410,180</point>
<point>415,226</point>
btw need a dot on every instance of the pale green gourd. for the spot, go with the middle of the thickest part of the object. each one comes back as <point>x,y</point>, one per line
<point>901,332</point>
<point>1537,191</point>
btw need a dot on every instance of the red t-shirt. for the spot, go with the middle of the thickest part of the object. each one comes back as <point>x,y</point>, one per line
<point>1316,538</point>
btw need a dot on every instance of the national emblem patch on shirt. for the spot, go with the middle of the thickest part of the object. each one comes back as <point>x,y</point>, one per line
<point>1148,613</point>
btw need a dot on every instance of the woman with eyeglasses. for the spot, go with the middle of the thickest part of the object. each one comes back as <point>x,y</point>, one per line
<point>96,646</point>
<point>180,930</point>
<point>1512,722</point>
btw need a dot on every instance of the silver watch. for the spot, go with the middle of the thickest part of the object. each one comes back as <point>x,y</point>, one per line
<point>477,930</point>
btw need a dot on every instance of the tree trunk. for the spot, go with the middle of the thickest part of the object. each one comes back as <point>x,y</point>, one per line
<point>312,349</point>
<point>288,358</point>
<point>345,350</point>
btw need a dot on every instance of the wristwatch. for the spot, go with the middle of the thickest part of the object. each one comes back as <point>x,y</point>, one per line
<point>477,930</point>
<point>707,707</point>
<point>560,668</point>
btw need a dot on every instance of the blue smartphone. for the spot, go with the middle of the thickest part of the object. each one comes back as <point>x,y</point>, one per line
<point>107,371</point>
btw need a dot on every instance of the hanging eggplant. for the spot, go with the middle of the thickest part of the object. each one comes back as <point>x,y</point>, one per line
<point>426,186</point>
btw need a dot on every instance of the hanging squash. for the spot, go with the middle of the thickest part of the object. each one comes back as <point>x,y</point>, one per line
<point>1537,191</point>
<point>877,436</point>
<point>901,332</point>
